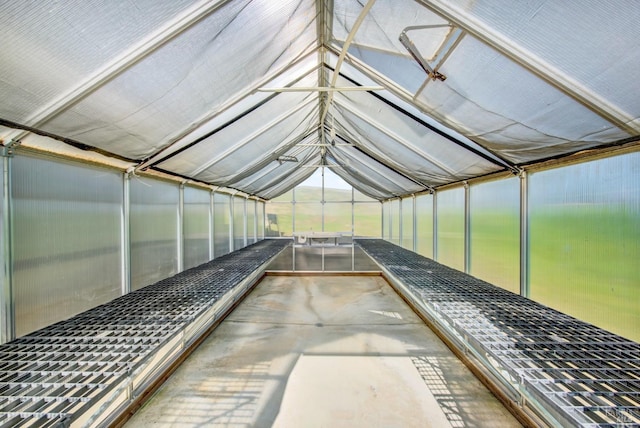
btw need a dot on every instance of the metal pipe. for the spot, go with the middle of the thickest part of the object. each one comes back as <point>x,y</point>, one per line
<point>525,290</point>
<point>7,319</point>
<point>125,233</point>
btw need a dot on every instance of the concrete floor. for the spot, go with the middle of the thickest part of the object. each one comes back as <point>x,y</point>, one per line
<point>323,352</point>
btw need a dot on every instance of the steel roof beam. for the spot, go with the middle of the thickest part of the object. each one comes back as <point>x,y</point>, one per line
<point>547,72</point>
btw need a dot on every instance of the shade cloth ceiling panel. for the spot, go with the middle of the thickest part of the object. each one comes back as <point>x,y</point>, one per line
<point>287,176</point>
<point>351,73</point>
<point>262,146</point>
<point>597,46</point>
<point>514,112</point>
<point>269,124</point>
<point>392,133</point>
<point>299,148</point>
<point>48,47</point>
<point>211,62</point>
<point>296,75</point>
<point>369,171</point>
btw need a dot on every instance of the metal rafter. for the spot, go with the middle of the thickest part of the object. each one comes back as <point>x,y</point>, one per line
<point>134,54</point>
<point>345,47</point>
<point>550,74</point>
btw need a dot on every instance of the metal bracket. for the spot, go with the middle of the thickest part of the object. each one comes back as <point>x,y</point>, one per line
<point>413,50</point>
<point>7,149</point>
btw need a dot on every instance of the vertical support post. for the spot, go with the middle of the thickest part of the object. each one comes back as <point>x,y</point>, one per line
<point>231,225</point>
<point>255,220</point>
<point>212,230</point>
<point>245,220</point>
<point>435,225</point>
<point>524,235</point>
<point>415,224</point>
<point>353,229</point>
<point>322,205</point>
<point>7,330</point>
<point>467,228</point>
<point>400,221</point>
<point>180,230</point>
<point>125,233</point>
<point>382,219</point>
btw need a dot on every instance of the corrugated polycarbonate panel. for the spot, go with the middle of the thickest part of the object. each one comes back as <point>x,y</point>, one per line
<point>585,241</point>
<point>221,223</point>
<point>450,232</point>
<point>153,230</point>
<point>196,223</point>
<point>367,219</point>
<point>239,222</point>
<point>66,239</point>
<point>70,40</point>
<point>141,109</point>
<point>518,115</point>
<point>260,220</point>
<point>407,223</point>
<point>598,49</point>
<point>251,221</point>
<point>495,232</point>
<point>424,225</point>
<point>394,221</point>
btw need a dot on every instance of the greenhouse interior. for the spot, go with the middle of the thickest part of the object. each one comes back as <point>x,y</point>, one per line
<point>185,179</point>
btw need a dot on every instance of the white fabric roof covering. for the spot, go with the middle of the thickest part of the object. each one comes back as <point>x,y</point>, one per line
<point>173,86</point>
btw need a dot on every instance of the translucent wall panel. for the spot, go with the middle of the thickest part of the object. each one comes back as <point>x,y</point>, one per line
<point>407,223</point>
<point>279,220</point>
<point>337,217</point>
<point>197,204</point>
<point>260,219</point>
<point>450,206</point>
<point>386,214</point>
<point>153,231</point>
<point>367,219</point>
<point>221,223</point>
<point>585,241</point>
<point>424,225</point>
<point>251,221</point>
<point>495,232</point>
<point>308,216</point>
<point>239,222</point>
<point>394,220</point>
<point>66,243</point>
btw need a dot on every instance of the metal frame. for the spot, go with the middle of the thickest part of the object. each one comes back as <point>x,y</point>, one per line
<point>467,227</point>
<point>7,307</point>
<point>125,244</point>
<point>524,235</point>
